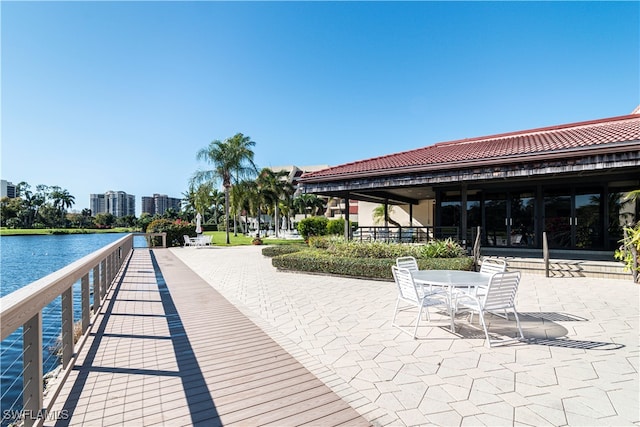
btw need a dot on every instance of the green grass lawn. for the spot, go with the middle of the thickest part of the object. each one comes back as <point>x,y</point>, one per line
<point>219,238</point>
<point>44,231</point>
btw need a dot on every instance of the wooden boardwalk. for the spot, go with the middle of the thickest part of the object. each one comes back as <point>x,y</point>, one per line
<point>167,349</point>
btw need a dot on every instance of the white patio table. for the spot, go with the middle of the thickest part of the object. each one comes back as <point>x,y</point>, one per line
<point>451,279</point>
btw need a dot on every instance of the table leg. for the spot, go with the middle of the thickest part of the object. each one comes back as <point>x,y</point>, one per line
<point>452,310</point>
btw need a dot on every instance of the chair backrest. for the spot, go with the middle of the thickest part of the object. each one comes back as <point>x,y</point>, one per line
<point>501,292</point>
<point>407,262</point>
<point>493,265</point>
<point>406,286</point>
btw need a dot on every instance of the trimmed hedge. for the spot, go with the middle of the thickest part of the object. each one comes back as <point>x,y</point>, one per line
<point>271,251</point>
<point>313,261</point>
<point>174,229</point>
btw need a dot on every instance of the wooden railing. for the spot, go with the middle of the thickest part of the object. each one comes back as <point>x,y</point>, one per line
<point>23,307</point>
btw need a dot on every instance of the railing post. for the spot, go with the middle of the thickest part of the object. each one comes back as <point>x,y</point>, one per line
<point>96,288</point>
<point>476,249</point>
<point>103,279</point>
<point>545,253</point>
<point>85,303</point>
<point>109,272</point>
<point>32,367</point>
<point>67,326</point>
<point>111,262</point>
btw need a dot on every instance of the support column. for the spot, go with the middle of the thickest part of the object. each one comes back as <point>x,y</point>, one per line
<point>347,225</point>
<point>463,214</point>
<point>410,214</point>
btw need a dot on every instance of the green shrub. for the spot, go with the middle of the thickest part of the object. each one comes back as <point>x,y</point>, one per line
<point>357,249</point>
<point>320,242</point>
<point>447,248</point>
<point>336,226</point>
<point>313,226</point>
<point>314,261</point>
<point>174,229</point>
<point>275,250</point>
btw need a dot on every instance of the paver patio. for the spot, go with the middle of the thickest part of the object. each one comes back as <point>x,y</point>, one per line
<point>578,366</point>
<point>168,350</point>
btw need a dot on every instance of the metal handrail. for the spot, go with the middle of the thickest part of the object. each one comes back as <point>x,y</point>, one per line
<point>23,307</point>
<point>405,234</point>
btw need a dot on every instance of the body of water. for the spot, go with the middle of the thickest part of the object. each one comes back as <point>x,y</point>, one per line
<point>24,259</point>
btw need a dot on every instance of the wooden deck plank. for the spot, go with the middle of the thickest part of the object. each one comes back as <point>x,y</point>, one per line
<point>169,349</point>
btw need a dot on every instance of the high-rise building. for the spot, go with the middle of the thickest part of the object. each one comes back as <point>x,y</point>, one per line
<point>159,203</point>
<point>7,189</point>
<point>97,204</point>
<point>117,203</point>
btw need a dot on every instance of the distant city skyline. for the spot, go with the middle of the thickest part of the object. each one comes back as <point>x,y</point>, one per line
<point>7,189</point>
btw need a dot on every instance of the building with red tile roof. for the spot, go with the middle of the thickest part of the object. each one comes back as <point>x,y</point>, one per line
<point>560,179</point>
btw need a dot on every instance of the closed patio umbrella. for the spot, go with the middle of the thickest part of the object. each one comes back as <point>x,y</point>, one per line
<point>198,225</point>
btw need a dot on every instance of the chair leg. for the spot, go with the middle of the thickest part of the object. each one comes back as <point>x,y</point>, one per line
<point>484,326</point>
<point>395,312</point>
<point>415,330</point>
<point>515,313</point>
<point>427,315</point>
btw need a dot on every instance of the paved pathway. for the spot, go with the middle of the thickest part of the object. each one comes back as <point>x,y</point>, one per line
<point>578,367</point>
<point>169,350</point>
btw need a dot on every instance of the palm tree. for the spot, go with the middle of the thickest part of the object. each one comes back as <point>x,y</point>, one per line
<point>308,203</point>
<point>233,155</point>
<point>217,202</point>
<point>383,213</point>
<point>202,198</point>
<point>240,202</point>
<point>61,200</point>
<point>245,198</point>
<point>274,188</point>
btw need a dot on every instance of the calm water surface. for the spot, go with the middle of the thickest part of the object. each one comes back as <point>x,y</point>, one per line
<point>24,259</point>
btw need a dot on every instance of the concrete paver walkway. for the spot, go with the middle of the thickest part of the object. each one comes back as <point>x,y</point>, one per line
<point>167,349</point>
<point>579,365</point>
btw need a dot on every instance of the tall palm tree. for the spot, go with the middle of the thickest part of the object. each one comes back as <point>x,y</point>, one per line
<point>308,203</point>
<point>233,155</point>
<point>274,187</point>
<point>203,199</point>
<point>240,202</point>
<point>62,200</point>
<point>383,213</point>
<point>217,202</point>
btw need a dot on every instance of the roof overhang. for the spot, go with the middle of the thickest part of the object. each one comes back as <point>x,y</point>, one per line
<point>411,185</point>
<point>617,148</point>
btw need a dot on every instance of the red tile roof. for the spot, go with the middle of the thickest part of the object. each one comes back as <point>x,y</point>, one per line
<point>617,134</point>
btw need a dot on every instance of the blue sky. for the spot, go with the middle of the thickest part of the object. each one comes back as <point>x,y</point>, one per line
<point>101,96</point>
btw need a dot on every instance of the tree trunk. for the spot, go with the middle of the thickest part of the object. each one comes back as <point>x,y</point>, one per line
<point>277,221</point>
<point>226,212</point>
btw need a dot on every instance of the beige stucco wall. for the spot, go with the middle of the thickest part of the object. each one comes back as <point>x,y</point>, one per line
<point>422,214</point>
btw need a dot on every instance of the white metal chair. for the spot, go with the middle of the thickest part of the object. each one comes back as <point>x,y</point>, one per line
<point>407,262</point>
<point>205,240</point>
<point>188,241</point>
<point>488,266</point>
<point>411,264</point>
<point>500,295</point>
<point>415,296</point>
<point>493,265</point>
